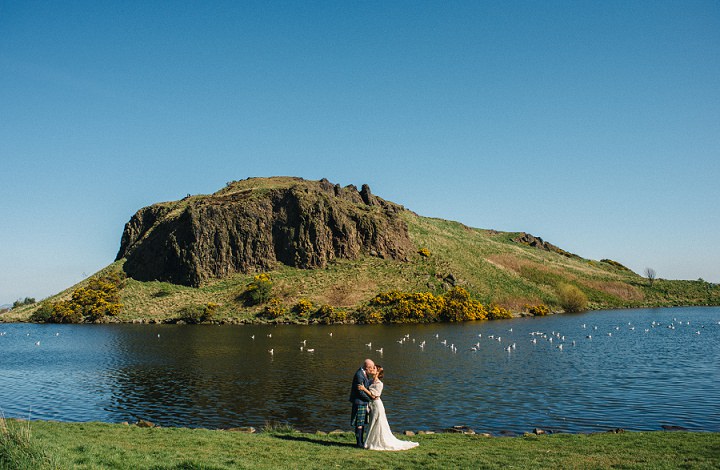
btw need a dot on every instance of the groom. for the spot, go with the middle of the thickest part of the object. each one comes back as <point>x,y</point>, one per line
<point>360,400</point>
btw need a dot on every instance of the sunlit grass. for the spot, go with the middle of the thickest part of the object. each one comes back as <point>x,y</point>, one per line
<point>19,449</point>
<point>98,445</point>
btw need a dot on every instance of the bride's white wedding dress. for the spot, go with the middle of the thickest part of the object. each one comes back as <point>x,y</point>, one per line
<point>379,436</point>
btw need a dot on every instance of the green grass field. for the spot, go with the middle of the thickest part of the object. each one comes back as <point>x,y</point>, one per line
<point>117,446</point>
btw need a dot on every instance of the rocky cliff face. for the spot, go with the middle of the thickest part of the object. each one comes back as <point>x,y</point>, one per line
<point>251,225</point>
<point>539,243</point>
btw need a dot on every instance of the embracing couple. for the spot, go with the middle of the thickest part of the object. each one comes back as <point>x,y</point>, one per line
<point>365,394</point>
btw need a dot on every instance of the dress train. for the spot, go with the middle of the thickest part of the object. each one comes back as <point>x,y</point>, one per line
<point>379,436</point>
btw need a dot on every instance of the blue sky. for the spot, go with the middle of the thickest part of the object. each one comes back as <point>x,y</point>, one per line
<point>595,125</point>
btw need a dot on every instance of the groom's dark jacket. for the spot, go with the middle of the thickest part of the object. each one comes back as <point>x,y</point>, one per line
<point>358,397</point>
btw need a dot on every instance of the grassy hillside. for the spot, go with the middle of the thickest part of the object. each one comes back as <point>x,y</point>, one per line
<point>489,264</point>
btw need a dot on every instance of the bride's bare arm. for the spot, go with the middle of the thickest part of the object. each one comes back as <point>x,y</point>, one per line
<point>362,388</point>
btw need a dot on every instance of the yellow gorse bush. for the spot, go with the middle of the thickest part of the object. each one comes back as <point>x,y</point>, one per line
<point>262,277</point>
<point>275,308</point>
<point>460,307</point>
<point>499,313</point>
<point>425,307</point>
<point>538,310</point>
<point>258,281</point>
<point>100,298</point>
<point>329,314</point>
<point>303,307</point>
<point>258,290</point>
<point>370,315</point>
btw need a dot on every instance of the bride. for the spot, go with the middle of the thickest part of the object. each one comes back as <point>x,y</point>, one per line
<point>379,436</point>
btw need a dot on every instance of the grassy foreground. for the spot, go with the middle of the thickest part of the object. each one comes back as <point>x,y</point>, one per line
<point>101,445</point>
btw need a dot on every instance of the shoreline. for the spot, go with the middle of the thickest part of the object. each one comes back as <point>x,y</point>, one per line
<point>280,427</point>
<point>306,322</point>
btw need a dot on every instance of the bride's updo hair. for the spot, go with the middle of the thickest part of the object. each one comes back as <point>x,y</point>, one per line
<point>379,374</point>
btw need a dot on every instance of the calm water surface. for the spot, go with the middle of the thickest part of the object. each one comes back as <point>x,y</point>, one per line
<point>641,369</point>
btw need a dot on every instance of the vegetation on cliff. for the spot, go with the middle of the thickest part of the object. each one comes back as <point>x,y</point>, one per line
<point>373,247</point>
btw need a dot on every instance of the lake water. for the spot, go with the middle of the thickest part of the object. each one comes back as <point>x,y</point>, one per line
<point>641,369</point>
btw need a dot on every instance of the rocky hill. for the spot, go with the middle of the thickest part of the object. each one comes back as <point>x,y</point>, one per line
<point>326,251</point>
<point>251,225</point>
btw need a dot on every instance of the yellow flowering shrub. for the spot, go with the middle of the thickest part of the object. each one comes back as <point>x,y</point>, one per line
<point>328,314</point>
<point>324,310</point>
<point>424,252</point>
<point>538,310</point>
<point>425,307</point>
<point>460,307</point>
<point>258,290</point>
<point>303,307</point>
<point>499,313</point>
<point>406,307</point>
<point>98,299</point>
<point>66,311</point>
<point>275,309</point>
<point>369,315</point>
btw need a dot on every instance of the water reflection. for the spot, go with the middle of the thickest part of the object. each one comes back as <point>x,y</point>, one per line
<point>220,376</point>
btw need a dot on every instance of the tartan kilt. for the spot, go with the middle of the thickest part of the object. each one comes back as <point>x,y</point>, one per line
<point>359,415</point>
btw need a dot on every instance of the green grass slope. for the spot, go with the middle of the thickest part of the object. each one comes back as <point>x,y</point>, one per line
<point>489,264</point>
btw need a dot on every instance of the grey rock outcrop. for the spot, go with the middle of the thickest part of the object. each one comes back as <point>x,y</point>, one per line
<point>251,225</point>
<point>537,242</point>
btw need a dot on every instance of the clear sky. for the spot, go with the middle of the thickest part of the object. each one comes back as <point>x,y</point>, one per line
<point>594,125</point>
